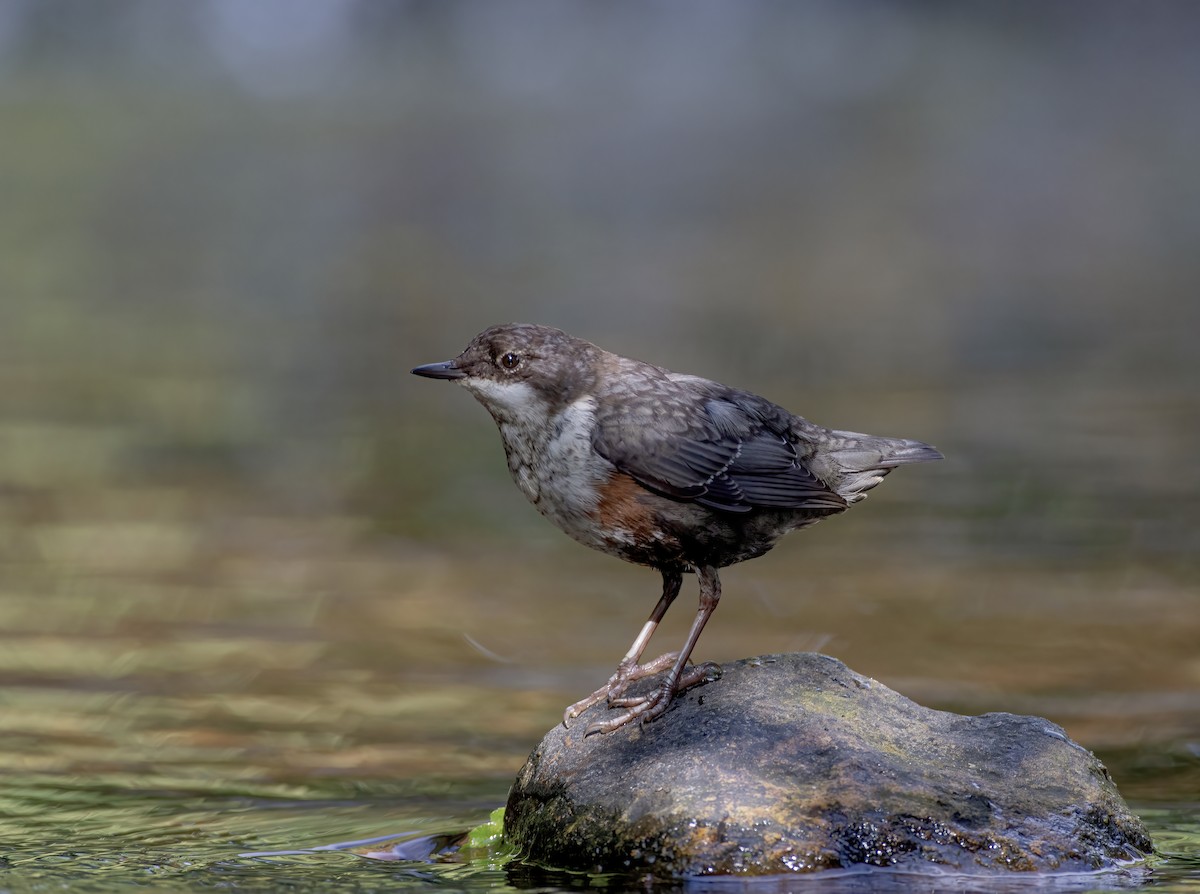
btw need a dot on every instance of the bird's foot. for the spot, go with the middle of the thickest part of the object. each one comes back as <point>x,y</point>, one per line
<point>628,671</point>
<point>645,708</point>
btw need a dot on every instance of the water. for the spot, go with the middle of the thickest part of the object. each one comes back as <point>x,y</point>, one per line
<point>163,720</point>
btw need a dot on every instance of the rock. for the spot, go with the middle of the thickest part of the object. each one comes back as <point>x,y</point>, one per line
<point>794,763</point>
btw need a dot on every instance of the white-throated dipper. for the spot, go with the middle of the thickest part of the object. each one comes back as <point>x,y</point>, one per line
<point>662,469</point>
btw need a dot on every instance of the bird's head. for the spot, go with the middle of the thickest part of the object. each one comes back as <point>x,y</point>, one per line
<point>519,370</point>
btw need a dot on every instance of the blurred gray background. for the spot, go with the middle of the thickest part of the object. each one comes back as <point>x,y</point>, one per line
<point>228,229</point>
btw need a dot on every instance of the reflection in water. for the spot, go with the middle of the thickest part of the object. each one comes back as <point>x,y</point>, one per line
<point>106,839</point>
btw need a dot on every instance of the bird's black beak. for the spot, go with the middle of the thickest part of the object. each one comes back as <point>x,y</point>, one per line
<point>445,370</point>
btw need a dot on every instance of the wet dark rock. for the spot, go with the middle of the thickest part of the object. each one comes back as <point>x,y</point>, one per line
<point>793,763</point>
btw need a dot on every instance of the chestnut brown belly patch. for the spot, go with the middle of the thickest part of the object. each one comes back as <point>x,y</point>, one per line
<point>631,524</point>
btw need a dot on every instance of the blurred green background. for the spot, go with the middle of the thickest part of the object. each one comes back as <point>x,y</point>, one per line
<point>241,547</point>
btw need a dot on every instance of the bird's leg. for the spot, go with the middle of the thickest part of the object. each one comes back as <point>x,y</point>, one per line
<point>628,670</point>
<point>648,707</point>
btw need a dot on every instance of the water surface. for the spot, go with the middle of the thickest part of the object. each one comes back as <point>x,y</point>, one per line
<point>314,687</point>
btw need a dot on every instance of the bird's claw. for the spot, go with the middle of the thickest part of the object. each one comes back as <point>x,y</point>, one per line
<point>612,692</point>
<point>641,708</point>
<point>651,706</point>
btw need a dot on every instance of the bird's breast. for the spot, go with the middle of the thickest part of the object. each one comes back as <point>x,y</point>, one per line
<point>553,463</point>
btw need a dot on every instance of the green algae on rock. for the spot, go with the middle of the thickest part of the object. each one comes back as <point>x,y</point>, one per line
<point>794,763</point>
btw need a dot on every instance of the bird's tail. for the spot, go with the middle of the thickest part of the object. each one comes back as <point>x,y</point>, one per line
<point>859,462</point>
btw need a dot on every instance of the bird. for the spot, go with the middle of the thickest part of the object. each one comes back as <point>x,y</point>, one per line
<point>671,471</point>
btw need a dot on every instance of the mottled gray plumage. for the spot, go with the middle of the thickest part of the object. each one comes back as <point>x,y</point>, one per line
<point>668,470</point>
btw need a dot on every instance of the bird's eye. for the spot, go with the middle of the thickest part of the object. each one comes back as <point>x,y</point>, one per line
<point>510,360</point>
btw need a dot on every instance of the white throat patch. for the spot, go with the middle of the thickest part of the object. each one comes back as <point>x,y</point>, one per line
<point>510,401</point>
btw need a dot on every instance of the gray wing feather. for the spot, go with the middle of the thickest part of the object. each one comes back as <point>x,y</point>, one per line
<point>727,450</point>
